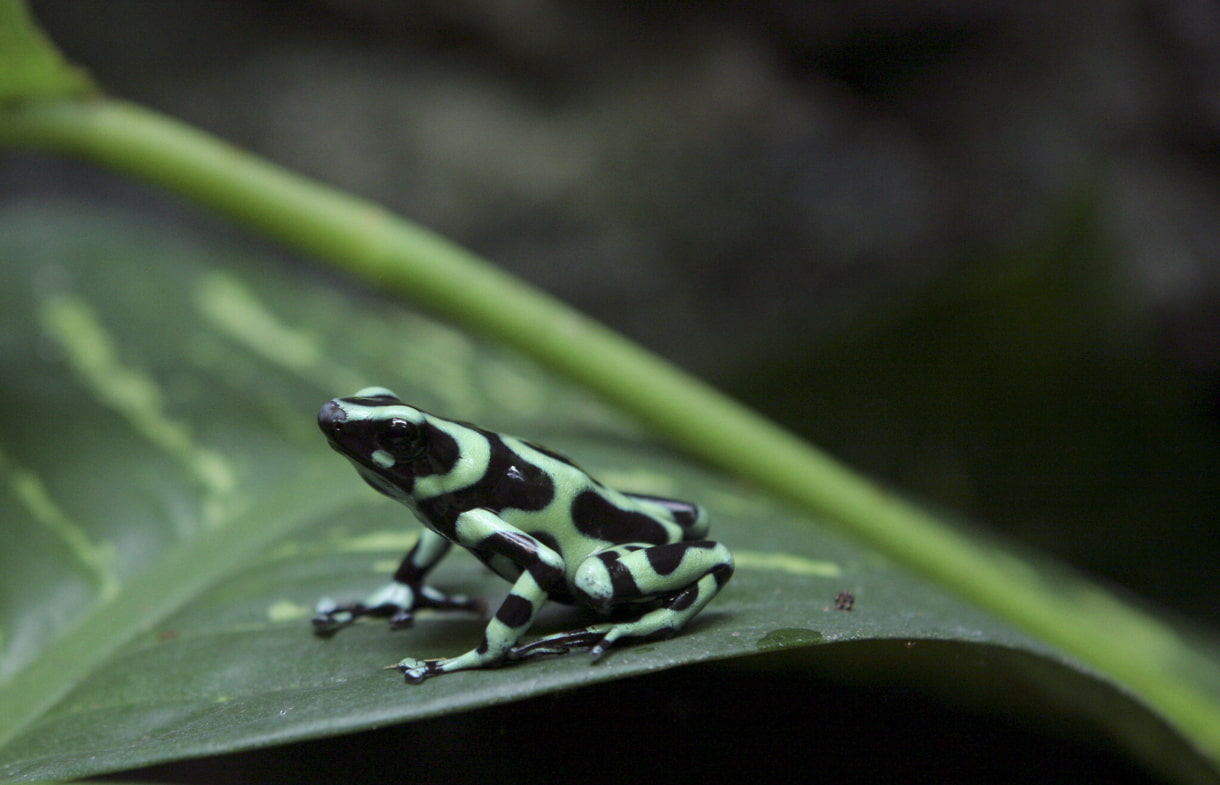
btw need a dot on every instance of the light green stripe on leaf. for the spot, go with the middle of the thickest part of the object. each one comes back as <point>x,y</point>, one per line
<point>93,355</point>
<point>31,493</point>
<point>236,312</point>
<point>786,562</point>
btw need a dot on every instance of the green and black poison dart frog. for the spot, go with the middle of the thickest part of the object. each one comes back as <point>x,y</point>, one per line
<point>535,519</point>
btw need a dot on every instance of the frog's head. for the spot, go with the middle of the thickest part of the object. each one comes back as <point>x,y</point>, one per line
<point>379,434</point>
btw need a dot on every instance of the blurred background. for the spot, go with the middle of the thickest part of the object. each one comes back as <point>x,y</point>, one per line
<point>969,246</point>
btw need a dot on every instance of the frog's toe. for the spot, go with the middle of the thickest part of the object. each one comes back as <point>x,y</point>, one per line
<point>633,631</point>
<point>599,649</point>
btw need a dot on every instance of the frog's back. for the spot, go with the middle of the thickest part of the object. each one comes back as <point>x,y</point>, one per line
<point>586,515</point>
<point>544,494</point>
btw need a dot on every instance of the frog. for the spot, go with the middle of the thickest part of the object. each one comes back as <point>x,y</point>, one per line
<point>531,515</point>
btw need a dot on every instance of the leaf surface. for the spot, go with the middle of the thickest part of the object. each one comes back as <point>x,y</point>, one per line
<point>170,515</point>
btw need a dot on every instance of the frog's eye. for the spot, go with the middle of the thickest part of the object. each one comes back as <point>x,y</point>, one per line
<point>400,438</point>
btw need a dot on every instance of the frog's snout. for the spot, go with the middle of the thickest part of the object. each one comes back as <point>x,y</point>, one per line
<point>330,416</point>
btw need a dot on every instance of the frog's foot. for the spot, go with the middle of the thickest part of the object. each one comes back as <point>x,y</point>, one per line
<point>597,639</point>
<point>396,602</point>
<point>561,643</point>
<point>415,671</point>
<point>329,617</point>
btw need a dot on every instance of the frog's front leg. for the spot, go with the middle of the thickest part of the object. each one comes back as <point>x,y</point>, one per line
<point>399,598</point>
<point>487,534</point>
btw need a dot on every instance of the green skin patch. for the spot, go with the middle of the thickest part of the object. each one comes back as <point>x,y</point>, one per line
<point>535,519</point>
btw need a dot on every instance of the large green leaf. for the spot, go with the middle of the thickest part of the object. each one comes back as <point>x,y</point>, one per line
<point>170,515</point>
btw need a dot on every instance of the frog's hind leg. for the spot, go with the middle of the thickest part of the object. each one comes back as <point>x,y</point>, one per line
<point>675,581</point>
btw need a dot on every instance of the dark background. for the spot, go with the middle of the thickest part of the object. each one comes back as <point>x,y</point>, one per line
<point>970,247</point>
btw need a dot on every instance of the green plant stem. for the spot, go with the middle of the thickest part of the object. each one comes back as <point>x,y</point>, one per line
<point>1134,649</point>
